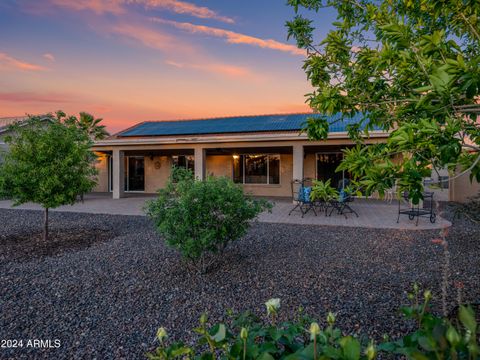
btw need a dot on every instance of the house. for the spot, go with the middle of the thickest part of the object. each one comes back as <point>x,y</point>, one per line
<point>5,122</point>
<point>262,153</point>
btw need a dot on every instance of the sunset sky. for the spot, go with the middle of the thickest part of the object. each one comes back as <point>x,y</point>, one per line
<point>134,60</point>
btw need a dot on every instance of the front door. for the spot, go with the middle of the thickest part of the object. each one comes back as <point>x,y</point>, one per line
<point>327,163</point>
<point>135,173</point>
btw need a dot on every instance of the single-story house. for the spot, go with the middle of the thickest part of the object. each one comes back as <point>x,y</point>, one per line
<point>262,153</point>
<point>5,122</point>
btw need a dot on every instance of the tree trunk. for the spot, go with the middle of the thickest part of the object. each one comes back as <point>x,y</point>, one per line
<point>45,226</point>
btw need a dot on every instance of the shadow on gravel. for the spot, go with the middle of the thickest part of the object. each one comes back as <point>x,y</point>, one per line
<point>29,246</point>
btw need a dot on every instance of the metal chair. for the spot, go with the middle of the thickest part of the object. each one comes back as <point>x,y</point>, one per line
<point>301,197</point>
<point>341,205</point>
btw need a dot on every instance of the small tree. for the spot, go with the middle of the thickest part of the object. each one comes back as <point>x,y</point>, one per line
<point>48,163</point>
<point>200,218</point>
<point>409,67</point>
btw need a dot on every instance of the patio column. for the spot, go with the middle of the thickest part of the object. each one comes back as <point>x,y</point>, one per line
<point>118,173</point>
<point>199,163</point>
<point>297,162</point>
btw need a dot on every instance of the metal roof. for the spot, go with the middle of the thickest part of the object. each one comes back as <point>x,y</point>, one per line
<point>237,124</point>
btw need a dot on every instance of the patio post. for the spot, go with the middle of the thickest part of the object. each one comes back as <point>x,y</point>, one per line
<point>199,163</point>
<point>118,173</point>
<point>297,162</point>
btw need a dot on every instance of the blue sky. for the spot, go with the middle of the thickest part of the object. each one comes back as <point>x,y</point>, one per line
<point>135,60</point>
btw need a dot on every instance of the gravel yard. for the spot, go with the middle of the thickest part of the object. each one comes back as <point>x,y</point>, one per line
<point>105,283</point>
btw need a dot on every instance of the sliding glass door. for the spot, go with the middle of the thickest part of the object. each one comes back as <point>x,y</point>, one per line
<point>135,173</point>
<point>327,163</point>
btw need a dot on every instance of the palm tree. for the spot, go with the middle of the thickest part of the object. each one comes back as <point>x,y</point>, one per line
<point>91,126</point>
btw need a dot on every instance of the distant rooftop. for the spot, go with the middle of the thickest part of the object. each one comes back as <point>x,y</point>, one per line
<point>236,124</point>
<point>5,121</point>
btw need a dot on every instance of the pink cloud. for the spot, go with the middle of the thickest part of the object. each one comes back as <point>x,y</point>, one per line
<point>117,7</point>
<point>97,6</point>
<point>49,57</point>
<point>148,37</point>
<point>8,62</point>
<point>33,97</point>
<point>220,69</point>
<point>233,37</point>
<point>183,7</point>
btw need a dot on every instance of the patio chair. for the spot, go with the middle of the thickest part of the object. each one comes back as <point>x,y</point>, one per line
<point>341,204</point>
<point>301,197</point>
<point>424,208</point>
<point>391,193</point>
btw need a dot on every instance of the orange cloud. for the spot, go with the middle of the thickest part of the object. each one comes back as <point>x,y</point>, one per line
<point>183,7</point>
<point>117,7</point>
<point>8,63</point>
<point>233,37</point>
<point>221,69</point>
<point>97,6</point>
<point>33,97</point>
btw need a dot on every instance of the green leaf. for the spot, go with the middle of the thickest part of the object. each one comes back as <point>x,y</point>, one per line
<point>351,348</point>
<point>220,334</point>
<point>265,356</point>
<point>467,317</point>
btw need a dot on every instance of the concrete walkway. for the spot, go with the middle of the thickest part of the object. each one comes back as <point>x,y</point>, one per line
<point>372,213</point>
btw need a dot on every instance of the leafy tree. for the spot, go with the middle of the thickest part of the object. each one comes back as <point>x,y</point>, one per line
<point>200,218</point>
<point>48,163</point>
<point>409,67</point>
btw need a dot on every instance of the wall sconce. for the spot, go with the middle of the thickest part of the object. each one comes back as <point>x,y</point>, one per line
<point>236,157</point>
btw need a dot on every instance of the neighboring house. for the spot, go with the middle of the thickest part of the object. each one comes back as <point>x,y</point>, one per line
<point>4,123</point>
<point>263,153</point>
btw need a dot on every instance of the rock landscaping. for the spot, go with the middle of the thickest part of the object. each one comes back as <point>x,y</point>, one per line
<point>104,284</point>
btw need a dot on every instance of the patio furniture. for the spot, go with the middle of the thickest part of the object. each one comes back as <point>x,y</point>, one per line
<point>424,208</point>
<point>391,193</point>
<point>341,204</point>
<point>301,197</point>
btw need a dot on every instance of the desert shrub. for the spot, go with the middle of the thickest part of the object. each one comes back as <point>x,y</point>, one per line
<point>180,173</point>
<point>245,336</point>
<point>200,218</point>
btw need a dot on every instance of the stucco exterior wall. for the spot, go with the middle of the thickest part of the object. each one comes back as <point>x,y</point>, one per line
<point>102,178</point>
<point>309,167</point>
<point>156,178</point>
<point>219,165</point>
<point>461,189</point>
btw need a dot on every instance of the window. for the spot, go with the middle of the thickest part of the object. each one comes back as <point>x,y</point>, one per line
<point>256,169</point>
<point>185,161</point>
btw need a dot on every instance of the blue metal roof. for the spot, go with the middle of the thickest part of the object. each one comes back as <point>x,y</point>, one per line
<point>238,124</point>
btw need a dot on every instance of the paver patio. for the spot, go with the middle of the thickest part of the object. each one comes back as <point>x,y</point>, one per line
<point>372,213</point>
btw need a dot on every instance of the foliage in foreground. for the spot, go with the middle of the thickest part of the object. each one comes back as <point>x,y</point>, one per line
<point>247,337</point>
<point>48,162</point>
<point>410,67</point>
<point>200,218</point>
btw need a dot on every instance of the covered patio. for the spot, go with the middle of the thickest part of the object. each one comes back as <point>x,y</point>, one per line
<point>372,213</point>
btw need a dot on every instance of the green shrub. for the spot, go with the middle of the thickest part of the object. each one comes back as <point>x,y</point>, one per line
<point>200,218</point>
<point>322,190</point>
<point>247,337</point>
